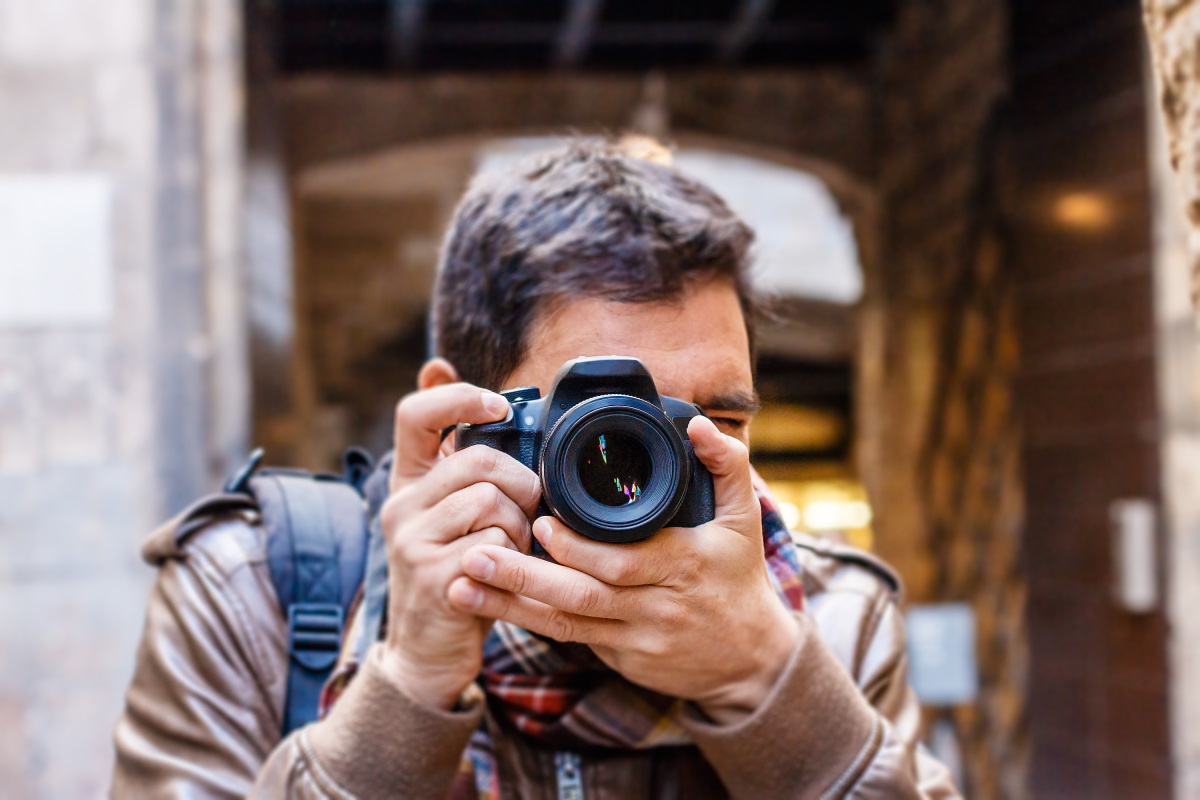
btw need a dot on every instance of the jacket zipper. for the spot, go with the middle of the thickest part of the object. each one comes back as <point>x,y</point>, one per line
<point>568,770</point>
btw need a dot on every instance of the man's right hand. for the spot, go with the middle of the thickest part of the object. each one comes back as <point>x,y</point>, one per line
<point>440,506</point>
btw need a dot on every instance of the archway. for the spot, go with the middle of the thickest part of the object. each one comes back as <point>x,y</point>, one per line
<point>368,230</point>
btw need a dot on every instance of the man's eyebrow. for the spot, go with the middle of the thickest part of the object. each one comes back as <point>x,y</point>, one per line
<point>743,402</point>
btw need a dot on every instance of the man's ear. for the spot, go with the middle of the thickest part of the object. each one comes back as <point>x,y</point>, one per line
<point>436,372</point>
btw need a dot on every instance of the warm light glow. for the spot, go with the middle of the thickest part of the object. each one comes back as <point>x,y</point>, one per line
<point>836,516</point>
<point>791,515</point>
<point>780,427</point>
<point>1085,210</point>
<point>830,507</point>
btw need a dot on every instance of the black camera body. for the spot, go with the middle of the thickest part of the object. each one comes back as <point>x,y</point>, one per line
<point>613,454</point>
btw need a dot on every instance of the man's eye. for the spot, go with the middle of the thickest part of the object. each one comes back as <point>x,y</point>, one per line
<point>730,422</point>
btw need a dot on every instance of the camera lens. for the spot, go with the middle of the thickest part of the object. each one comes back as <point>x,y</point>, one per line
<point>614,468</point>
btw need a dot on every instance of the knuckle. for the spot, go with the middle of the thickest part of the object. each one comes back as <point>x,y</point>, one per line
<point>621,570</point>
<point>688,566</point>
<point>491,499</point>
<point>518,579</point>
<point>484,458</point>
<point>671,616</point>
<point>587,598</point>
<point>533,486</point>
<point>403,411</point>
<point>561,628</point>
<point>402,551</point>
<point>392,515</point>
<point>398,519</point>
<point>654,645</point>
<point>494,535</point>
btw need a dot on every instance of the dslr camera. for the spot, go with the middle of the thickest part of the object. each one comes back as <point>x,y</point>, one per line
<point>613,454</point>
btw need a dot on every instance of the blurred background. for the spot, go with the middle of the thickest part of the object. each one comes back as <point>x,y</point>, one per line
<point>218,227</point>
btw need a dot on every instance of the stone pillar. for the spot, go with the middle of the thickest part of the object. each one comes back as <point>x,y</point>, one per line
<point>940,441</point>
<point>1179,405</point>
<point>1174,33</point>
<point>120,346</point>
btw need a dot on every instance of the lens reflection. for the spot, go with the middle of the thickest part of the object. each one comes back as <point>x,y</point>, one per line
<point>614,469</point>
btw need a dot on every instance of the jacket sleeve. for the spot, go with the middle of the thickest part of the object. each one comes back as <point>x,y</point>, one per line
<point>376,742</point>
<point>840,722</point>
<point>203,710</point>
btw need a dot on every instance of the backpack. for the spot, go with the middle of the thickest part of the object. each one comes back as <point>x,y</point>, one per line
<point>319,550</point>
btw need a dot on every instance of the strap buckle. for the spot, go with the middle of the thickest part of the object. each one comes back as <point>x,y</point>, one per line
<point>315,634</point>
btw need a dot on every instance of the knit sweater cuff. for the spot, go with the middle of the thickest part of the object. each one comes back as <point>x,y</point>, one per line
<point>814,731</point>
<point>378,742</point>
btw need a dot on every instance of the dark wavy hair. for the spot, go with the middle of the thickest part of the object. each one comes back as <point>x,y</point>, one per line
<point>588,220</point>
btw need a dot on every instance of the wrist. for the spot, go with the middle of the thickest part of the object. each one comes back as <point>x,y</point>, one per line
<point>425,686</point>
<point>744,696</point>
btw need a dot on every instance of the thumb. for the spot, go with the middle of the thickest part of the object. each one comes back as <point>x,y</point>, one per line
<point>729,462</point>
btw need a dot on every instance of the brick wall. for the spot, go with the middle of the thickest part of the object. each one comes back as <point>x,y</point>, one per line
<point>1082,237</point>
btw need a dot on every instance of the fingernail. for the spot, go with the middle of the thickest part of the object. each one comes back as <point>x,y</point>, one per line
<point>465,595</point>
<point>542,529</point>
<point>479,566</point>
<point>494,403</point>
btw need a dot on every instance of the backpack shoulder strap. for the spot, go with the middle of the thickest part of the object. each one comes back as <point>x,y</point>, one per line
<point>316,550</point>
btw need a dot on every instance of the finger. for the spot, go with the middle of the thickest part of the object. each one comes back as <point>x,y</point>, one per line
<point>478,506</point>
<point>421,417</point>
<point>637,564</point>
<point>493,536</point>
<point>474,465</point>
<point>477,598</point>
<point>729,462</point>
<point>553,584</point>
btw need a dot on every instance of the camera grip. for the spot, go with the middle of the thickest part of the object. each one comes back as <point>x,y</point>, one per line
<point>700,503</point>
<point>502,436</point>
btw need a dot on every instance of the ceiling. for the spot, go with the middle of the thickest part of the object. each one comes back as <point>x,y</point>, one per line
<point>380,36</point>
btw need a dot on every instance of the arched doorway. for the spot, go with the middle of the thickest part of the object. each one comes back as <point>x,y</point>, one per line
<point>368,230</point>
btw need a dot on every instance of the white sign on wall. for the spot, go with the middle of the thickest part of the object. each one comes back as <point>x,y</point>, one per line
<point>55,250</point>
<point>941,653</point>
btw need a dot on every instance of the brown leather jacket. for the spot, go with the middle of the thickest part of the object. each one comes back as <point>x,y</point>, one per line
<point>203,712</point>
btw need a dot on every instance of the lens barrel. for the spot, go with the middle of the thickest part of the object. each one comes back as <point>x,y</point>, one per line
<point>614,468</point>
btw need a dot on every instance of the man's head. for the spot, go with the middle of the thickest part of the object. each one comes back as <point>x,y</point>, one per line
<point>590,250</point>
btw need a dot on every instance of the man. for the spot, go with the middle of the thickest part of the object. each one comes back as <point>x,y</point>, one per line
<point>696,669</point>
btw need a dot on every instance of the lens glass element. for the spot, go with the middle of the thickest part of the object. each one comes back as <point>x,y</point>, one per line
<point>614,468</point>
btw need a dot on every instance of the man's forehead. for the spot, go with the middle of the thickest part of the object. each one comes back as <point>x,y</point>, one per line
<point>696,347</point>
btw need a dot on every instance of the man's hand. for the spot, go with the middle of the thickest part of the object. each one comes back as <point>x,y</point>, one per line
<point>440,506</point>
<point>689,612</point>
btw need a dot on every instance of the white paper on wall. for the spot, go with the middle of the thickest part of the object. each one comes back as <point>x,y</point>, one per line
<point>55,250</point>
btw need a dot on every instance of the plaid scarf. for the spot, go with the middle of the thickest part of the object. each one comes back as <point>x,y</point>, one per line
<point>562,695</point>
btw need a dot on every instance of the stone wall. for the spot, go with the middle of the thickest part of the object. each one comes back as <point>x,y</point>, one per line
<point>1179,403</point>
<point>941,445</point>
<point>105,359</point>
<point>1174,37</point>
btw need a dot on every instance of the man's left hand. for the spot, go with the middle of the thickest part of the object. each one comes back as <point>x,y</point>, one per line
<point>689,612</point>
